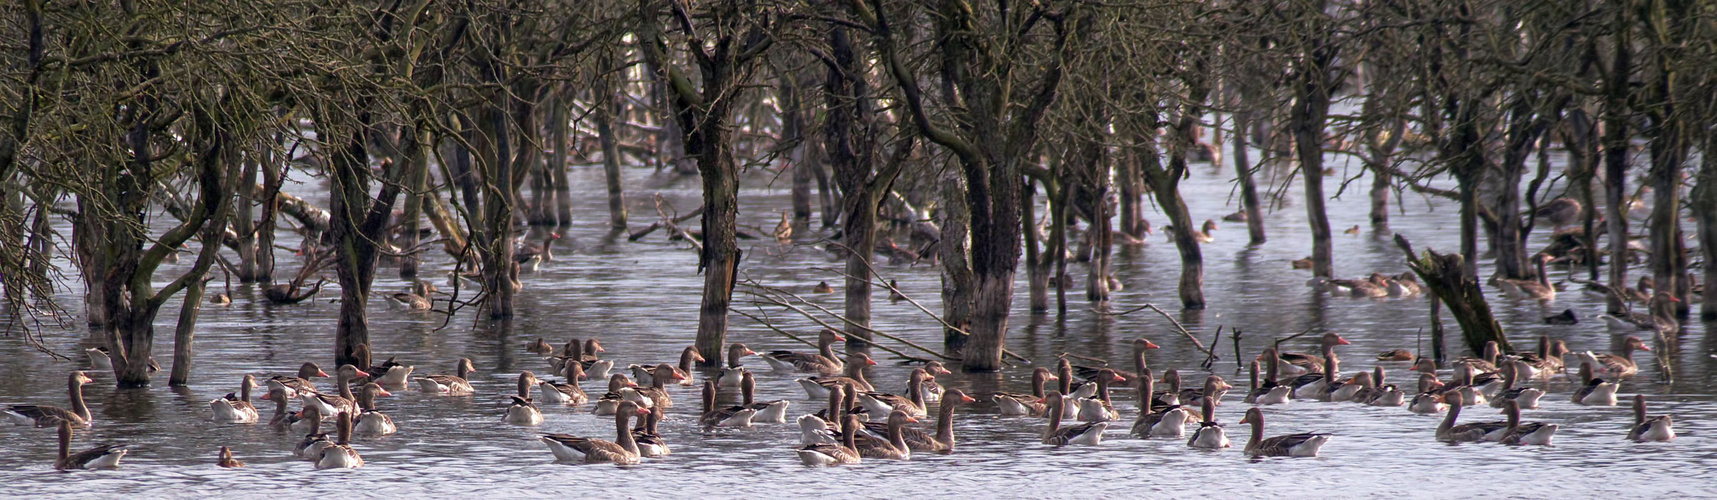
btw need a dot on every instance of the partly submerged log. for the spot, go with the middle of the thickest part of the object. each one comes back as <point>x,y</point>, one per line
<point>1445,277</point>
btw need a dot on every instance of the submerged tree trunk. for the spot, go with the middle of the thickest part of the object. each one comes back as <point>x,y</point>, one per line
<point>1312,93</point>
<point>1446,278</point>
<point>185,332</point>
<point>1705,213</point>
<point>416,146</point>
<point>357,223</point>
<point>1036,267</point>
<point>954,251</point>
<point>1581,141</point>
<point>1243,173</point>
<point>606,114</point>
<point>1615,142</point>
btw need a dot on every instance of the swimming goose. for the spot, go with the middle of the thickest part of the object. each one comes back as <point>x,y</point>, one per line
<point>1317,385</point>
<point>690,355</point>
<point>1209,435</point>
<point>1304,444</point>
<point>622,451</point>
<point>1538,289</point>
<point>523,411</point>
<point>650,442</point>
<point>1519,433</point>
<point>586,353</point>
<point>568,393</point>
<point>343,402</point>
<point>726,416</point>
<point>618,385</point>
<point>1547,360</point>
<point>1566,318</point>
<point>823,362</point>
<point>1157,421</point>
<point>451,385</point>
<point>310,448</point>
<point>1405,285</point>
<point>1088,434</point>
<point>881,403</point>
<point>774,412</point>
<point>1486,364</point>
<point>1448,432</point>
<point>845,453</point>
<point>539,346</point>
<point>1396,355</point>
<point>728,377</point>
<point>1358,389</point>
<point>302,382</point>
<point>1270,392</point>
<point>282,419</point>
<point>410,301</point>
<point>1661,316</point>
<point>1525,397</point>
<point>1140,345</point>
<point>818,387</point>
<point>239,410</point>
<point>47,416</point>
<point>1616,365</point>
<point>101,360</point>
<point>1017,405</point>
<point>1214,388</point>
<point>1302,363</point>
<point>340,455</point>
<point>932,388</point>
<point>943,440</point>
<point>1386,394</point>
<point>389,374</point>
<point>894,447</point>
<point>105,456</point>
<point>1471,393</point>
<point>1594,391</point>
<point>822,287</point>
<point>369,421</point>
<point>820,428</point>
<point>1098,408</point>
<point>1658,428</point>
<point>1170,396</point>
<point>226,459</point>
<point>656,394</point>
<point>1429,398</point>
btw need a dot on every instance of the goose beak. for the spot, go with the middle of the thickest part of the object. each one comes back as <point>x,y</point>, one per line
<point>383,392</point>
<point>1151,345</point>
<point>967,399</point>
<point>1644,347</point>
<point>872,362</point>
<point>321,373</point>
<point>1342,341</point>
<point>362,373</point>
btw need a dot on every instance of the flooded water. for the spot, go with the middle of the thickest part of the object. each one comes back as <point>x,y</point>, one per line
<point>641,299</point>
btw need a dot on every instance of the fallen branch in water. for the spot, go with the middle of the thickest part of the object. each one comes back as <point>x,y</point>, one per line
<point>774,297</point>
<point>882,281</point>
<point>1177,326</point>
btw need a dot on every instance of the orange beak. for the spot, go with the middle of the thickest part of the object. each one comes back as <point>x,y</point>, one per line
<point>1246,419</point>
<point>869,362</point>
<point>1152,345</point>
<point>967,399</point>
<point>1644,347</point>
<point>839,338</point>
<point>321,373</point>
<point>266,398</point>
<point>749,352</point>
<point>643,411</point>
<point>384,392</point>
<point>1341,341</point>
<point>362,373</point>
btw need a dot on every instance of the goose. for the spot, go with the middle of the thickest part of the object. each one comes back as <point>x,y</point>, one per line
<point>1170,396</point>
<point>1661,316</point>
<point>1367,287</point>
<point>1317,385</point>
<point>1486,364</point>
<point>451,385</point>
<point>1357,389</point>
<point>728,377</point>
<point>1098,407</point>
<point>1538,289</point>
<point>301,383</point>
<point>1209,434</point>
<point>943,440</point>
<point>881,403</point>
<point>650,443</point>
<point>101,360</point>
<point>823,362</point>
<point>822,287</point>
<point>844,453</point>
<point>1472,392</point>
<point>1140,345</point>
<point>727,416</point>
<point>389,374</point>
<point>818,387</point>
<point>1524,397</point>
<point>820,428</point>
<point>1302,363</point>
<point>1268,392</point>
<point>230,410</point>
<point>1429,399</point>
<point>46,416</point>
<point>894,294</point>
<point>1560,212</point>
<point>618,385</point>
<point>932,388</point>
<point>575,351</point>
<point>282,419</point>
<point>105,456</point>
<point>568,393</point>
<point>1519,433</point>
<point>690,355</point>
<point>774,412</point>
<point>1567,317</point>
<point>1304,444</point>
<point>1658,428</point>
<point>1617,365</point>
<point>656,394</point>
<point>1206,234</point>
<point>1448,432</point>
<point>539,346</point>
<point>310,448</point>
<point>1594,391</point>
<point>369,421</point>
<point>1214,388</point>
<point>1155,421</point>
<point>894,447</point>
<point>622,451</point>
<point>1405,285</point>
<point>340,455</point>
<point>1087,434</point>
<point>1547,360</point>
<point>1386,394</point>
<point>1021,405</point>
<point>226,459</point>
<point>1396,355</point>
<point>783,232</point>
<point>523,411</point>
<point>408,301</point>
<point>343,402</point>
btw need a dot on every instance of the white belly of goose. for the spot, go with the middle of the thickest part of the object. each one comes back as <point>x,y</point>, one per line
<point>226,413</point>
<point>524,415</point>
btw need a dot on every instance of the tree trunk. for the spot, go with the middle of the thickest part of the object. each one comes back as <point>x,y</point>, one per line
<point>793,132</point>
<point>606,115</point>
<point>356,225</point>
<point>185,332</point>
<point>416,146</point>
<point>1705,213</point>
<point>1036,267</point>
<point>954,249</point>
<point>1131,184</point>
<point>1446,278</point>
<point>243,226</point>
<point>1581,143</point>
<point>1243,173</point>
<point>1306,123</point>
<point>1616,116</point>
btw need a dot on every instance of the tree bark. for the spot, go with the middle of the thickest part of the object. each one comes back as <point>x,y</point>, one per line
<point>1446,278</point>
<point>606,115</point>
<point>1705,214</point>
<point>1615,142</point>
<point>1306,122</point>
<point>357,223</point>
<point>954,252</point>
<point>1243,173</point>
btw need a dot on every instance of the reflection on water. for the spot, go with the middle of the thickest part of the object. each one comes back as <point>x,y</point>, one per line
<point>641,299</point>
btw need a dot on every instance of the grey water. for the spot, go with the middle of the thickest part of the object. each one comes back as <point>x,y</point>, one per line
<point>641,299</point>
